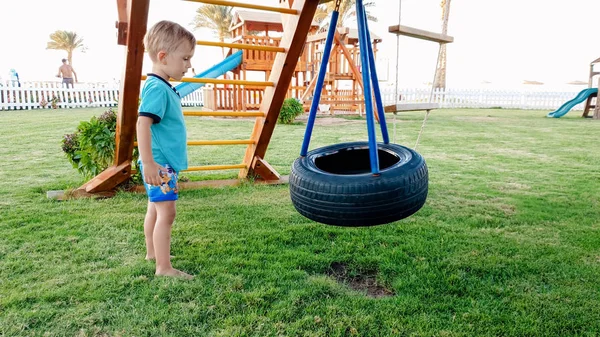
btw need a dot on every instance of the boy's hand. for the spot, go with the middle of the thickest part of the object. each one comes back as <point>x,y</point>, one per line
<point>151,173</point>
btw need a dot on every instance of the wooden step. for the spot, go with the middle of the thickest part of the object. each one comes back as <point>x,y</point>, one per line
<point>399,107</point>
<point>420,34</point>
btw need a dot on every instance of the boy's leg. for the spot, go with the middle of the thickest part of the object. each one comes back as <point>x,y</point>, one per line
<point>149,222</point>
<point>165,216</point>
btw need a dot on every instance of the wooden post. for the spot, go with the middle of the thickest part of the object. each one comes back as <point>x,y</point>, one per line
<point>295,32</point>
<point>128,101</point>
<point>597,109</point>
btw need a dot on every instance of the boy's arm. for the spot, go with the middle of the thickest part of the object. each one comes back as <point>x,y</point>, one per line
<point>144,140</point>
<point>58,74</point>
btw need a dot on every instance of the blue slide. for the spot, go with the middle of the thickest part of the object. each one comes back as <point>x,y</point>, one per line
<point>215,71</point>
<point>581,97</point>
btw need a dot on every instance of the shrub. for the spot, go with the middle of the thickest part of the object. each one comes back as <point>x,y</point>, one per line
<point>91,148</point>
<point>290,109</point>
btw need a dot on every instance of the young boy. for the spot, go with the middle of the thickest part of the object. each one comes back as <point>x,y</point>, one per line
<point>161,137</point>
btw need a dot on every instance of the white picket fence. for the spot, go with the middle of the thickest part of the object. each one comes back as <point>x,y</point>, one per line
<point>49,95</point>
<point>482,98</point>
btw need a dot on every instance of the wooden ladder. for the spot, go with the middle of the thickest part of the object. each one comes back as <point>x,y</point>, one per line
<point>132,25</point>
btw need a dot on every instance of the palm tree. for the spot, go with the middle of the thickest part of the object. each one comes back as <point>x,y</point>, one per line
<point>67,41</point>
<point>215,17</point>
<point>347,11</point>
<point>440,76</point>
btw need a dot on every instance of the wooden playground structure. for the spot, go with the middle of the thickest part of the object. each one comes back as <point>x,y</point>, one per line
<point>285,60</point>
<point>343,91</point>
<point>591,104</point>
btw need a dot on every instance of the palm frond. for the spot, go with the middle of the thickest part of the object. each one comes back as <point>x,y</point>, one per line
<point>214,17</point>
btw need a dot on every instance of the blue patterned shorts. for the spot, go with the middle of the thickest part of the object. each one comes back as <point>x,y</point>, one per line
<point>168,189</point>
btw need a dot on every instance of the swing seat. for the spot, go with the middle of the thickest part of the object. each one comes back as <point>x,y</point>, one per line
<point>400,107</point>
<point>334,185</point>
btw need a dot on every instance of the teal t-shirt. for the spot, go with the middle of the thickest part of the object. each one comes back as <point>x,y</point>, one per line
<point>161,102</point>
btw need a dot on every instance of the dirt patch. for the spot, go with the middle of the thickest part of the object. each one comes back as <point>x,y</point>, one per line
<point>365,282</point>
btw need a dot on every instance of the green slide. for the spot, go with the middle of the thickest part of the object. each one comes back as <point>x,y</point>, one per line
<point>581,97</point>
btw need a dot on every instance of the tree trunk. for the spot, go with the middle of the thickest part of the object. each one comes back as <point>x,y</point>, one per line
<point>70,57</point>
<point>440,71</point>
<point>222,39</point>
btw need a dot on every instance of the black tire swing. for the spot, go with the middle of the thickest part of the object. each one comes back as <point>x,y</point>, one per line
<point>358,183</point>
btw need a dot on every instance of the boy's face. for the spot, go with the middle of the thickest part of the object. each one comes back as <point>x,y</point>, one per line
<point>177,63</point>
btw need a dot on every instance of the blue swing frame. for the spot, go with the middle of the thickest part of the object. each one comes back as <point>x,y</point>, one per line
<point>370,83</point>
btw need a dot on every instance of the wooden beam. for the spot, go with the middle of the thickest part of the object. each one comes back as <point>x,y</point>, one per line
<point>597,108</point>
<point>348,56</point>
<point>121,24</point>
<point>263,169</point>
<point>216,183</point>
<point>295,32</point>
<point>108,179</point>
<point>247,5</point>
<point>308,89</point>
<point>128,100</point>
<point>420,34</point>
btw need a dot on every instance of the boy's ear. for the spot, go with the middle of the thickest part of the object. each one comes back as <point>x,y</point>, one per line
<point>162,56</point>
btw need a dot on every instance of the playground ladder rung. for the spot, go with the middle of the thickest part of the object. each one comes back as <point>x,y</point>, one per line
<point>221,142</point>
<point>225,113</point>
<point>215,167</point>
<point>217,142</point>
<point>247,5</point>
<point>241,46</point>
<point>220,81</point>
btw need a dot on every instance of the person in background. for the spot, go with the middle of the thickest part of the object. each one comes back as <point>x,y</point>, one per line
<point>67,73</point>
<point>14,77</point>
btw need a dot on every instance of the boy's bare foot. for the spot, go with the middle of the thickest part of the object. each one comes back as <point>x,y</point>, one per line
<point>152,258</point>
<point>174,273</point>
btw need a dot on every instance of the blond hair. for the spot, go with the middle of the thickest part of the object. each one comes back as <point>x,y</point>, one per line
<point>167,36</point>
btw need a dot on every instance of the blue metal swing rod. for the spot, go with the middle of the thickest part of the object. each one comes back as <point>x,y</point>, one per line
<point>369,76</point>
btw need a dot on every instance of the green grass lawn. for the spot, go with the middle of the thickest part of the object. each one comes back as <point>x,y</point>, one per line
<point>508,243</point>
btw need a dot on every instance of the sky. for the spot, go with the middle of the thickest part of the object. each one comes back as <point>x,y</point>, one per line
<point>496,43</point>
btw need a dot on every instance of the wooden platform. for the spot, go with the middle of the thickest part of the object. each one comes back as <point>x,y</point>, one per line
<point>420,34</point>
<point>399,107</point>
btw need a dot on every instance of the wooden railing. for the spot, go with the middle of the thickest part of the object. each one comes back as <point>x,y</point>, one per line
<point>231,98</point>
<point>263,60</point>
<point>259,56</point>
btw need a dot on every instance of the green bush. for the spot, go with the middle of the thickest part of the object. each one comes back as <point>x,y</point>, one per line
<point>91,148</point>
<point>290,109</point>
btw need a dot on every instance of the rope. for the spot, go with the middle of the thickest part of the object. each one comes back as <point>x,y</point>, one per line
<point>396,95</point>
<point>435,73</point>
<point>430,97</point>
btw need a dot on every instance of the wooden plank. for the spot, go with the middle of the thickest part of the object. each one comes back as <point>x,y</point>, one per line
<point>128,100</point>
<point>348,56</point>
<point>295,32</point>
<point>410,107</point>
<point>108,179</point>
<point>217,183</point>
<point>263,169</point>
<point>121,24</point>
<point>420,34</point>
<point>597,108</point>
